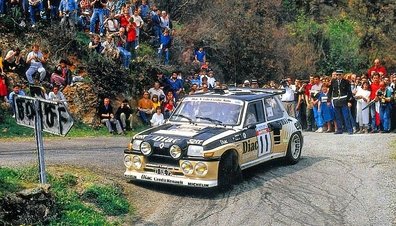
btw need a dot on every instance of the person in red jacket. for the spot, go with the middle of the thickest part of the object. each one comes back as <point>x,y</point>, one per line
<point>381,70</point>
<point>374,109</point>
<point>131,36</point>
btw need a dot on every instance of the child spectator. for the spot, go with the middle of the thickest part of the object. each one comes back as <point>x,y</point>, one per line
<point>155,100</point>
<point>96,44</point>
<point>3,88</point>
<point>158,117</point>
<point>325,111</point>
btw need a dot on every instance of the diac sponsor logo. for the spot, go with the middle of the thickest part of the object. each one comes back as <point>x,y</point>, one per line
<point>249,146</point>
<point>165,139</point>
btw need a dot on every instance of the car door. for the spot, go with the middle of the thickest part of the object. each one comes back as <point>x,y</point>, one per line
<point>275,119</point>
<point>254,145</point>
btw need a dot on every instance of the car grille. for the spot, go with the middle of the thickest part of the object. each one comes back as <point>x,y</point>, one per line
<point>162,160</point>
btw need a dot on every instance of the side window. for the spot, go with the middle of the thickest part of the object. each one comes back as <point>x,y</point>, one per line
<point>254,113</point>
<point>272,108</point>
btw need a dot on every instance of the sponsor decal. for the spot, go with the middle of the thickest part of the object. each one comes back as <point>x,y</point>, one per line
<point>194,141</point>
<point>223,142</point>
<point>197,184</point>
<point>165,139</point>
<point>164,180</point>
<point>248,146</point>
<point>140,137</point>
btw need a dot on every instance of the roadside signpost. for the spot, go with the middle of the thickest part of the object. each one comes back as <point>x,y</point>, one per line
<point>42,115</point>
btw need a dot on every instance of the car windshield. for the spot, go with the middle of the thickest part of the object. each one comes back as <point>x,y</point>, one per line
<point>218,111</point>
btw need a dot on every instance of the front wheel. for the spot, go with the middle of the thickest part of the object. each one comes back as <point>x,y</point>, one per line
<point>294,148</point>
<point>229,171</point>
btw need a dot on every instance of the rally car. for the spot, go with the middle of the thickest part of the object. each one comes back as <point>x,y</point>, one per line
<point>211,137</point>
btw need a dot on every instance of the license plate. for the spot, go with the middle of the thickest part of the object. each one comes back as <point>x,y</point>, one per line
<point>165,172</point>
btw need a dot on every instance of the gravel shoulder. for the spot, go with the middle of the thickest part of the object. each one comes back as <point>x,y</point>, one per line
<point>340,180</point>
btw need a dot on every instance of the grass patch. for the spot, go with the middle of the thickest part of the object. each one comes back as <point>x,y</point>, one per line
<point>107,198</point>
<point>72,188</point>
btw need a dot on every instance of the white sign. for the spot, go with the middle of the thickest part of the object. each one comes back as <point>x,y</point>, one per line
<point>55,116</point>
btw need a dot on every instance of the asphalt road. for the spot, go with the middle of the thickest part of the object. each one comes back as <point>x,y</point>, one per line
<point>340,180</point>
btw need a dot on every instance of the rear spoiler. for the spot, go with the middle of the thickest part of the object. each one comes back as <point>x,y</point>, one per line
<point>258,90</point>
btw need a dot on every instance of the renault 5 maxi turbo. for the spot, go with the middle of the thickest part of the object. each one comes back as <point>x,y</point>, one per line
<point>211,137</point>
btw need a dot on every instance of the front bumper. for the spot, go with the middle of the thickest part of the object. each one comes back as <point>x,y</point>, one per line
<point>181,181</point>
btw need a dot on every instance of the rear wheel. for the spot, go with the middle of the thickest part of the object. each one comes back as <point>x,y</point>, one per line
<point>294,149</point>
<point>229,171</point>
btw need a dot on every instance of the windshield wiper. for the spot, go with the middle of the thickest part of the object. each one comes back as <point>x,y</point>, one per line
<point>215,121</point>
<point>183,116</point>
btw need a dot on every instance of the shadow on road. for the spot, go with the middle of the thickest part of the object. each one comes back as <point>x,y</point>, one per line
<point>253,178</point>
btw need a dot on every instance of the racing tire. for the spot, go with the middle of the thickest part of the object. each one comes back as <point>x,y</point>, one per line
<point>229,171</point>
<point>294,148</point>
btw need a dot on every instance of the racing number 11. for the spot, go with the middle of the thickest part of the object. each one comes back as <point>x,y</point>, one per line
<point>264,141</point>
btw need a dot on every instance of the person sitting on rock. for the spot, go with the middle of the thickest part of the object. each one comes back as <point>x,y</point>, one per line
<point>124,114</point>
<point>36,59</point>
<point>96,44</point>
<point>13,60</point>
<point>106,115</point>
<point>57,96</point>
<point>16,90</point>
<point>62,75</point>
<point>145,107</point>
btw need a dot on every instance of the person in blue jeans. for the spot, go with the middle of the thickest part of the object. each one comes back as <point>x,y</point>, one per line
<point>120,40</point>
<point>165,44</point>
<point>99,7</point>
<point>35,5</point>
<point>384,95</point>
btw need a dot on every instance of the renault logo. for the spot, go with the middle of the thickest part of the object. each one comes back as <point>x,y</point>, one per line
<point>161,145</point>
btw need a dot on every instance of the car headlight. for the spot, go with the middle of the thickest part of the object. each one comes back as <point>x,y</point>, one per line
<point>201,169</point>
<point>136,144</point>
<point>127,161</point>
<point>137,162</point>
<point>175,151</point>
<point>195,150</point>
<point>187,168</point>
<point>145,148</point>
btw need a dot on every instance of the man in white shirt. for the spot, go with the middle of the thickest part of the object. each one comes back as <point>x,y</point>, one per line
<point>288,97</point>
<point>156,90</point>
<point>36,60</point>
<point>57,96</point>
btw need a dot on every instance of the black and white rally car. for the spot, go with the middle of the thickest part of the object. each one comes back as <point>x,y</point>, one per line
<point>212,136</point>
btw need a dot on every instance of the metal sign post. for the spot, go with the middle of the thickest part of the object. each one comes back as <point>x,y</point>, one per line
<point>39,141</point>
<point>42,115</point>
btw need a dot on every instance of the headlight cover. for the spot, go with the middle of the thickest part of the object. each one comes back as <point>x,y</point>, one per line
<point>175,151</point>
<point>127,161</point>
<point>187,168</point>
<point>201,169</point>
<point>136,144</point>
<point>137,162</point>
<point>145,148</point>
<point>195,150</point>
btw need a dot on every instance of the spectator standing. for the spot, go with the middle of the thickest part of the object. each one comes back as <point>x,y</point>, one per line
<point>68,11</point>
<point>339,94</point>
<point>106,115</point>
<point>314,99</point>
<point>309,111</point>
<point>377,68</point>
<point>212,81</point>
<point>131,37</point>
<point>111,24</point>
<point>124,17</point>
<point>124,115</point>
<point>36,59</point>
<point>325,111</point>
<point>146,108</point>
<point>16,90</point>
<point>374,109</point>
<point>53,6</point>
<point>158,117</point>
<point>99,7</point>
<point>383,96</point>
<point>35,5</point>
<point>196,80</point>
<point>362,97</point>
<point>165,21</point>
<point>144,9</point>
<point>139,24</point>
<point>288,98</point>
<point>165,44</point>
